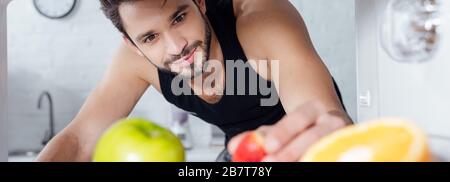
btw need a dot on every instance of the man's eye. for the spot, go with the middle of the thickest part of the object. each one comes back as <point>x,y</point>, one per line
<point>179,19</point>
<point>150,38</point>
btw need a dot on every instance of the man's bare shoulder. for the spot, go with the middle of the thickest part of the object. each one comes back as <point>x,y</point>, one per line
<point>259,21</point>
<point>244,8</point>
<point>265,25</point>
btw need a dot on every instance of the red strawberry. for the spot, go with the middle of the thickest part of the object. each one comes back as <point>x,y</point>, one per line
<point>251,149</point>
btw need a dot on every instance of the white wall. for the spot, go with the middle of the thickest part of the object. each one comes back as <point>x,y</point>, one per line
<point>64,57</point>
<point>68,57</point>
<point>331,25</point>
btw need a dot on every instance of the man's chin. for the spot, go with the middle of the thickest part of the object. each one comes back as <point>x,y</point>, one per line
<point>190,74</point>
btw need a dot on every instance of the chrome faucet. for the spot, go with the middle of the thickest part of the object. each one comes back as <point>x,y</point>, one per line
<point>49,134</point>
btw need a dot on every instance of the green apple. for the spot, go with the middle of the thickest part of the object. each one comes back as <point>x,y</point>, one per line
<point>138,140</point>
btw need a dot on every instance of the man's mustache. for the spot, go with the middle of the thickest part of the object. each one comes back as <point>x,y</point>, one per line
<point>184,53</point>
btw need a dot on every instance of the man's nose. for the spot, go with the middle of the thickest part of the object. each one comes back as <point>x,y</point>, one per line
<point>175,43</point>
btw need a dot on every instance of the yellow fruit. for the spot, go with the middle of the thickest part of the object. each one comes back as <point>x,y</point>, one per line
<point>384,140</point>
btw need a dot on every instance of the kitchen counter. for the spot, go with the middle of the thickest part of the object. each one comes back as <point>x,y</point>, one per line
<point>439,147</point>
<point>203,154</point>
<point>206,154</point>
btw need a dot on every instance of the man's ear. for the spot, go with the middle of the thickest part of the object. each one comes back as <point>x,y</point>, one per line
<point>201,4</point>
<point>131,45</point>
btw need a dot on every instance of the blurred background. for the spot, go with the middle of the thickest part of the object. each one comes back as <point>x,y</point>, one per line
<point>63,59</point>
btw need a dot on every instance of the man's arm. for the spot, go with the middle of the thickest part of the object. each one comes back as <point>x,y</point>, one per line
<point>274,30</point>
<point>113,99</point>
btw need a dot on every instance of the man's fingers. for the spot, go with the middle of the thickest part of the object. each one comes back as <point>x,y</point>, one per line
<point>334,121</point>
<point>294,132</point>
<point>295,149</point>
<point>291,126</point>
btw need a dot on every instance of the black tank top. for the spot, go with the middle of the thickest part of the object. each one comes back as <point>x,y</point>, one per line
<point>233,114</point>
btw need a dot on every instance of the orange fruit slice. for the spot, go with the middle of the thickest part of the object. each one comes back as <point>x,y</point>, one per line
<point>383,140</point>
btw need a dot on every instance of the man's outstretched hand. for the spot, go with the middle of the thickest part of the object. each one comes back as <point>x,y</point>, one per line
<point>290,138</point>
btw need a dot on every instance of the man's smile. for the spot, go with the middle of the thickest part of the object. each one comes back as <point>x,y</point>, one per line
<point>186,60</point>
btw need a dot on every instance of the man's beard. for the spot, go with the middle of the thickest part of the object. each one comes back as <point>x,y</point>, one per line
<point>197,67</point>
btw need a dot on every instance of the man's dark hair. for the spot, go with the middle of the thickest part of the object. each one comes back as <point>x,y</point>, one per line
<point>111,10</point>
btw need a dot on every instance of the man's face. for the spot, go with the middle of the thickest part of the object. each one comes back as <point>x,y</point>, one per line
<point>170,33</point>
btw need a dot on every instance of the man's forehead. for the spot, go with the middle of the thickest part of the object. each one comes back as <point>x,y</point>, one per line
<point>149,10</point>
<point>157,6</point>
<point>144,15</point>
